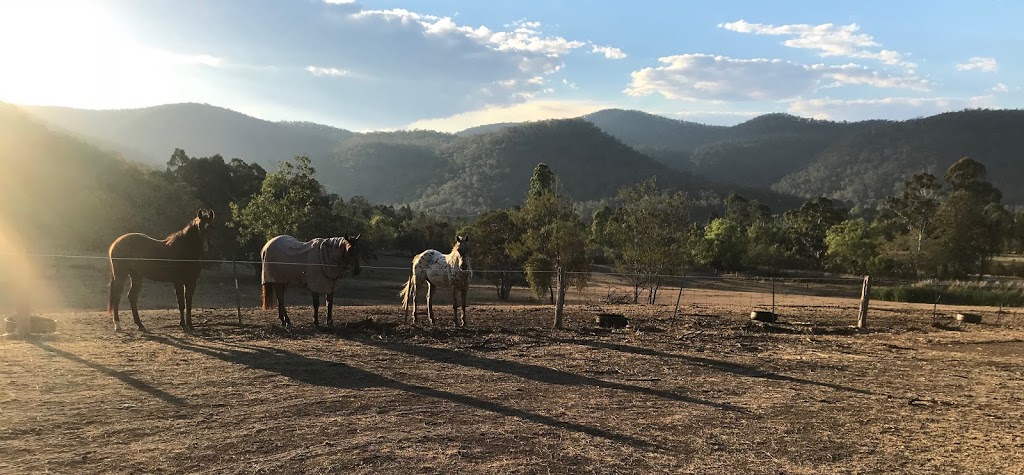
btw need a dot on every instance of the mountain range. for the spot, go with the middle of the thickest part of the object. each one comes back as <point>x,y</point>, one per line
<point>778,159</point>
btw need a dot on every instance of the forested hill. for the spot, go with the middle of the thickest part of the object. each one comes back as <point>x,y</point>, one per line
<point>62,193</point>
<point>450,174</point>
<point>858,162</point>
<point>868,166</point>
<point>150,134</point>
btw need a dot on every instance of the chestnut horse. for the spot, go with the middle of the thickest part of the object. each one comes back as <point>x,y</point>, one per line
<point>447,270</point>
<point>174,259</point>
<point>315,264</point>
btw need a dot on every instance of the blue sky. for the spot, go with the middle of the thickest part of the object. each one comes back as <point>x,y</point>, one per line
<point>451,64</point>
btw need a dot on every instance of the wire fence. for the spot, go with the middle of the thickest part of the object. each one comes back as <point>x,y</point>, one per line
<point>69,282</point>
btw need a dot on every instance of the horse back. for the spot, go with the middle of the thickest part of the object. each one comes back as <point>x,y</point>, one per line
<point>137,253</point>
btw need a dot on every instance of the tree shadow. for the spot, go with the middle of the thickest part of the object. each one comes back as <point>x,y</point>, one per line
<point>535,372</point>
<point>120,375</point>
<point>332,374</point>
<point>725,366</point>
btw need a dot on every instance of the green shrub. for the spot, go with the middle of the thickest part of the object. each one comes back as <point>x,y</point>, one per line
<point>956,293</point>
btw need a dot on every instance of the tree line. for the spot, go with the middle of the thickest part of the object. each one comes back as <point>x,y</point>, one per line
<point>949,227</point>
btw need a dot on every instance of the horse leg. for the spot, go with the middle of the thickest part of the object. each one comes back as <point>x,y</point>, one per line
<point>116,287</point>
<point>430,302</point>
<point>190,290</point>
<point>133,291</point>
<point>282,314</point>
<point>330,307</point>
<point>415,295</point>
<point>179,293</point>
<point>455,302</point>
<point>465,289</point>
<point>316,309</point>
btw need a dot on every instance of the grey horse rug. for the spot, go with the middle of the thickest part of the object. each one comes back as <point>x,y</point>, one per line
<point>311,264</point>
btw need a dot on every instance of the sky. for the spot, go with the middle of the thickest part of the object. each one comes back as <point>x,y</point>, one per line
<point>452,64</point>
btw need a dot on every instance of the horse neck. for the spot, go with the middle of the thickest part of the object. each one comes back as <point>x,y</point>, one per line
<point>335,252</point>
<point>187,240</point>
<point>456,257</point>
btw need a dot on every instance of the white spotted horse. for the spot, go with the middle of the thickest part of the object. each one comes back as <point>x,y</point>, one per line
<point>450,270</point>
<point>316,264</point>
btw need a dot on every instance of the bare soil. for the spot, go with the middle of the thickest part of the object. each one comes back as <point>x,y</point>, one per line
<point>705,391</point>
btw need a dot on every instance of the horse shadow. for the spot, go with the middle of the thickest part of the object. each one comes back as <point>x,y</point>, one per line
<point>119,375</point>
<point>338,375</point>
<point>724,366</point>
<point>535,372</point>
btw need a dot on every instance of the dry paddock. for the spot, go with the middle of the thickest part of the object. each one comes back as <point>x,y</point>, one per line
<point>700,393</point>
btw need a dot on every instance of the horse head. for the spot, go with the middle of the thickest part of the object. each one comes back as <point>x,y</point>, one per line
<point>203,223</point>
<point>462,246</point>
<point>351,255</point>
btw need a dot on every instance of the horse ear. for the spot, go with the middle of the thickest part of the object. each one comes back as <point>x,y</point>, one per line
<point>357,237</point>
<point>210,214</point>
<point>458,238</point>
<point>200,212</point>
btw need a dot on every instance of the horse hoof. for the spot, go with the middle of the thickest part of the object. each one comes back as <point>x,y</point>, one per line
<point>143,329</point>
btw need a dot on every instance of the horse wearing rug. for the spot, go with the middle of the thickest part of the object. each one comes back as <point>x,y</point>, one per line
<point>447,270</point>
<point>174,259</point>
<point>315,264</point>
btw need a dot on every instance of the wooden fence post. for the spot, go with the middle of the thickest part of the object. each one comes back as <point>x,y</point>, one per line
<point>865,297</point>
<point>238,297</point>
<point>22,309</point>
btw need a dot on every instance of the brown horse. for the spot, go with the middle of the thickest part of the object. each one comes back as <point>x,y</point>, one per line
<point>316,265</point>
<point>174,259</point>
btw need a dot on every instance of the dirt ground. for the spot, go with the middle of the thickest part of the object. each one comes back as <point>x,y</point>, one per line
<point>703,392</point>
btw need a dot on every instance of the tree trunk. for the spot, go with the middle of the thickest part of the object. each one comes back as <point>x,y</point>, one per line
<point>559,305</point>
<point>506,288</point>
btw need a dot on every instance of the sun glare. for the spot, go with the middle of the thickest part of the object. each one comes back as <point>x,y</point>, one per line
<point>73,54</point>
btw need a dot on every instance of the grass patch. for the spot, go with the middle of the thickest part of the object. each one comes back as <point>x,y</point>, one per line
<point>955,293</point>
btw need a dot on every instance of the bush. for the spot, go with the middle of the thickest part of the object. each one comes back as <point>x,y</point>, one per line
<point>957,293</point>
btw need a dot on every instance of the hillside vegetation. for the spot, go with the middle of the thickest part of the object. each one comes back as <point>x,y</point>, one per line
<point>859,163</point>
<point>63,193</point>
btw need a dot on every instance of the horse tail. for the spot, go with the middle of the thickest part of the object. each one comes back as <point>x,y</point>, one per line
<point>116,281</point>
<point>116,287</point>
<point>406,293</point>
<point>268,295</point>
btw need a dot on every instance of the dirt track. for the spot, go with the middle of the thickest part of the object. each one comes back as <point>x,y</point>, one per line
<point>700,394</point>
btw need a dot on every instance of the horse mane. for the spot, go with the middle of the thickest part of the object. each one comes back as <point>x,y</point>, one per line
<point>184,234</point>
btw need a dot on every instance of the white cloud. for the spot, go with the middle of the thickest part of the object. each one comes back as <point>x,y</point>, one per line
<point>1000,87</point>
<point>828,39</point>
<point>897,108</point>
<point>609,52</point>
<point>522,39</point>
<point>570,84</point>
<point>524,112</point>
<point>853,74</point>
<point>322,71</point>
<point>980,63</point>
<point>707,77</point>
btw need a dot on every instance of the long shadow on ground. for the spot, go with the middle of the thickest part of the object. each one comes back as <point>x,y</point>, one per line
<point>534,372</point>
<point>725,366</point>
<point>334,374</point>
<point>120,375</point>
